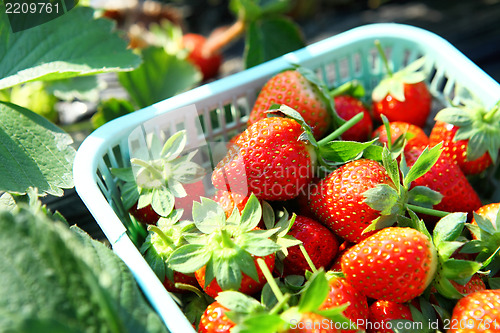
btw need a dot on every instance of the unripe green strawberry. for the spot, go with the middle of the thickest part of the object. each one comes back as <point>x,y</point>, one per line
<point>395,264</point>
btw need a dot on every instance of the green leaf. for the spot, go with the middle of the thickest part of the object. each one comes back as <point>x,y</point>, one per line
<point>208,215</point>
<point>391,166</point>
<point>424,163</point>
<point>446,249</point>
<point>33,153</point>
<point>63,277</point>
<point>73,44</point>
<point>84,88</point>
<point>174,146</point>
<point>7,202</point>
<point>250,10</point>
<point>494,283</point>
<point>251,213</point>
<point>373,152</point>
<point>455,116</point>
<point>262,323</point>
<point>424,197</point>
<point>162,201</point>
<point>484,224</point>
<point>257,245</point>
<point>383,198</point>
<point>239,302</point>
<point>160,76</point>
<point>269,38</point>
<point>227,270</point>
<point>449,227</point>
<point>456,269</point>
<point>343,151</point>
<point>189,258</point>
<point>111,109</point>
<point>315,292</point>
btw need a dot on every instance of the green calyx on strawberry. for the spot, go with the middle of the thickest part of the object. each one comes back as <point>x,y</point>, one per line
<point>485,230</point>
<point>226,248</point>
<point>448,239</point>
<point>158,181</point>
<point>394,201</point>
<point>402,96</point>
<point>476,128</point>
<point>162,240</point>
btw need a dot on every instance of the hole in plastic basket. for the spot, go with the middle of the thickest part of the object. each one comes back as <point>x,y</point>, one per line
<point>330,74</point>
<point>357,65</point>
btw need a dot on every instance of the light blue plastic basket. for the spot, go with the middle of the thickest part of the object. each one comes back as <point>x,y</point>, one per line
<point>338,59</point>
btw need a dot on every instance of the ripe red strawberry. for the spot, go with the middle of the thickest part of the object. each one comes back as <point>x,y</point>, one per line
<point>446,178</point>
<point>474,284</point>
<point>338,200</point>
<point>402,96</point>
<point>248,285</point>
<point>208,64</point>
<point>341,292</point>
<point>268,159</point>
<point>321,246</point>
<point>415,135</point>
<point>227,200</point>
<point>188,279</point>
<point>337,263</point>
<point>470,135</point>
<point>489,214</point>
<point>381,312</point>
<point>145,214</point>
<point>394,264</point>
<point>223,253</point>
<point>477,312</point>
<point>347,107</point>
<point>214,320</point>
<point>193,193</point>
<point>293,89</point>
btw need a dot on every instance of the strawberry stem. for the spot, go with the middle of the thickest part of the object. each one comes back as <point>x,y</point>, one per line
<point>163,237</point>
<point>216,42</point>
<point>383,57</point>
<point>188,287</point>
<point>147,166</point>
<point>488,117</point>
<point>308,258</point>
<point>277,308</point>
<point>270,279</point>
<point>339,131</point>
<point>428,211</point>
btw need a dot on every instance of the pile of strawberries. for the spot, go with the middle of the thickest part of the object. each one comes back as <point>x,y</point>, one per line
<point>330,212</point>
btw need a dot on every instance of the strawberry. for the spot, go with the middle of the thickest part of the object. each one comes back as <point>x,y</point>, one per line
<point>145,214</point>
<point>228,200</point>
<point>485,231</point>
<point>446,178</point>
<point>267,160</point>
<point>319,242</point>
<point>208,64</point>
<point>470,135</point>
<point>415,135</point>
<point>224,252</point>
<point>338,200</point>
<point>248,285</point>
<point>161,241</point>
<point>475,284</point>
<point>299,90</point>
<point>395,264</point>
<point>402,96</point>
<point>341,292</point>
<point>382,311</point>
<point>193,192</point>
<point>214,320</point>
<point>347,107</point>
<point>476,312</point>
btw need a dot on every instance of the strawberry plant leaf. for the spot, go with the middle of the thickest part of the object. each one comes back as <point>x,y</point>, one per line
<point>96,50</point>
<point>455,116</point>
<point>373,152</point>
<point>383,198</point>
<point>227,269</point>
<point>343,151</point>
<point>315,292</point>
<point>262,323</point>
<point>494,283</point>
<point>239,302</point>
<point>61,276</point>
<point>391,166</point>
<point>446,249</point>
<point>484,224</point>
<point>174,146</point>
<point>456,269</point>
<point>33,153</point>
<point>257,245</point>
<point>270,37</point>
<point>152,81</point>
